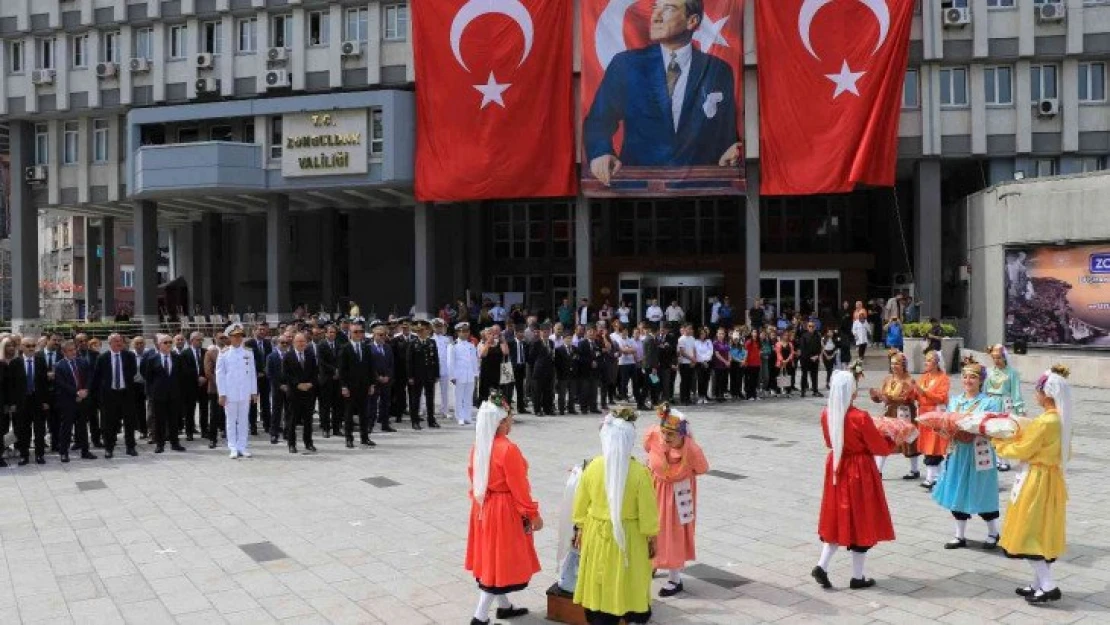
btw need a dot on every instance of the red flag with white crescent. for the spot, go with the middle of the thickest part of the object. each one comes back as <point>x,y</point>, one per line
<point>494,103</point>
<point>830,92</point>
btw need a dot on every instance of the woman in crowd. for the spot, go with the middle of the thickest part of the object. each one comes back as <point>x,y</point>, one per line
<point>1035,521</point>
<point>703,350</point>
<point>616,520</point>
<point>788,352</point>
<point>854,512</point>
<point>968,483</point>
<point>894,339</point>
<point>737,357</point>
<point>675,460</point>
<point>860,332</point>
<point>1004,384</point>
<point>829,353</point>
<point>720,364</point>
<point>898,395</point>
<point>499,549</point>
<point>932,395</point>
<point>752,363</point>
<point>491,353</point>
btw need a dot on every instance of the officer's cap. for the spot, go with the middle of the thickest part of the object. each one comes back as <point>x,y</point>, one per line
<point>462,325</point>
<point>376,324</point>
<point>235,328</point>
<point>422,323</point>
<point>436,321</point>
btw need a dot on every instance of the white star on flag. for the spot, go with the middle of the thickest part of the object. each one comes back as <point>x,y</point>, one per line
<point>709,33</point>
<point>845,80</point>
<point>491,91</point>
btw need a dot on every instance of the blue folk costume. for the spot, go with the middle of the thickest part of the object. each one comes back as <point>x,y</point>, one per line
<point>1005,384</point>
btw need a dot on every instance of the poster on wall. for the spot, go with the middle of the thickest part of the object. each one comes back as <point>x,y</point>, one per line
<point>662,97</point>
<point>1058,295</point>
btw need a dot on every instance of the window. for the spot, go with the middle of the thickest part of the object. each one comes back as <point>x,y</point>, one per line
<point>15,57</point>
<point>355,26</point>
<point>1092,163</point>
<point>221,132</point>
<point>1042,82</point>
<point>78,48</point>
<point>396,21</point>
<point>1000,4</point>
<point>1092,82</point>
<point>213,38</point>
<point>127,276</point>
<point>46,53</point>
<point>998,84</point>
<point>179,46</point>
<point>188,135</point>
<point>109,47</point>
<point>42,144</point>
<point>281,31</point>
<point>377,134</point>
<point>248,35</point>
<point>129,238</point>
<point>953,4</point>
<point>911,97</point>
<point>319,33</point>
<point>70,133</point>
<point>953,86</point>
<point>100,140</point>
<point>1046,167</point>
<point>144,43</point>
<point>248,132</point>
<point>276,140</point>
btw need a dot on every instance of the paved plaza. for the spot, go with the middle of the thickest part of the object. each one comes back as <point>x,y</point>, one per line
<point>378,536</point>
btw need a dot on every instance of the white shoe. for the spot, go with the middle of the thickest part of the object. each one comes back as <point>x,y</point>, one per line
<point>245,454</point>
<point>233,455</point>
<point>462,422</point>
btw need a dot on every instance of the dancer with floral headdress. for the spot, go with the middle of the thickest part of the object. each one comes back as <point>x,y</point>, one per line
<point>616,520</point>
<point>854,512</point>
<point>932,394</point>
<point>1004,383</point>
<point>675,460</point>
<point>1034,528</point>
<point>499,549</point>
<point>899,396</point>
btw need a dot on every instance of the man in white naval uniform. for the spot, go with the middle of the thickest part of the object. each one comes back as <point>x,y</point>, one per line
<point>237,381</point>
<point>443,347</point>
<point>464,370</point>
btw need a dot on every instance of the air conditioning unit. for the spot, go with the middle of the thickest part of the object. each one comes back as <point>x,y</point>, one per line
<point>139,65</point>
<point>1048,107</point>
<point>42,76</point>
<point>351,48</point>
<point>106,70</point>
<point>205,60</point>
<point>1051,11</point>
<point>956,17</point>
<point>208,85</point>
<point>35,173</point>
<point>277,55</point>
<point>277,79</point>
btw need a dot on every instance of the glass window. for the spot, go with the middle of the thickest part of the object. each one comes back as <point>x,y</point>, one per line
<point>281,31</point>
<point>950,4</point>
<point>248,132</point>
<point>396,22</point>
<point>377,133</point>
<point>248,35</point>
<point>998,84</point>
<point>276,141</point>
<point>15,57</point>
<point>46,53</point>
<point>220,132</point>
<point>319,33</point>
<point>953,86</point>
<point>911,97</point>
<point>213,41</point>
<point>78,49</point>
<point>70,133</point>
<point>1046,167</point>
<point>144,43</point>
<point>1092,82</point>
<point>42,144</point>
<point>109,47</point>
<point>999,4</point>
<point>188,135</point>
<point>100,140</point>
<point>127,276</point>
<point>1092,163</point>
<point>355,26</point>
<point>178,42</point>
<point>1042,82</point>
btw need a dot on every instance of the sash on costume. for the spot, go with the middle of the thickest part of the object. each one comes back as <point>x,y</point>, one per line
<point>1019,480</point>
<point>684,501</point>
<point>983,458</point>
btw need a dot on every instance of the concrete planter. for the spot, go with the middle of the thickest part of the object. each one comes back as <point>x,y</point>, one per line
<point>915,353</point>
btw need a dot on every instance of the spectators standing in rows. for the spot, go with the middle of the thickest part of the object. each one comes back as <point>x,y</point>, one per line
<point>649,366</point>
<point>720,365</point>
<point>668,361</point>
<point>675,314</point>
<point>654,314</point>
<point>566,371</point>
<point>737,356</point>
<point>687,358</point>
<point>624,314</point>
<point>703,352</point>
<point>753,363</point>
<point>725,314</point>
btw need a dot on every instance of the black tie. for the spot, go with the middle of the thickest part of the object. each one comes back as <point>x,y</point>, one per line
<point>358,352</point>
<point>166,364</point>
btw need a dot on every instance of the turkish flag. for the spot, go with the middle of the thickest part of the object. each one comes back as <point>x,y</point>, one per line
<point>830,92</point>
<point>494,104</point>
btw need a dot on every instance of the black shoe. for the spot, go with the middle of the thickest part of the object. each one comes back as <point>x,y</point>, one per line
<point>474,621</point>
<point>817,394</point>
<point>369,443</point>
<point>64,456</point>
<point>327,433</point>
<point>388,428</point>
<point>131,451</point>
<point>310,447</point>
<point>863,582</point>
<point>86,455</point>
<point>75,447</point>
<point>822,577</point>
<point>3,463</point>
<point>956,543</point>
<point>211,444</point>
<point>912,475</point>
<point>432,423</point>
<point>108,454</point>
<point>39,459</point>
<point>521,411</point>
<point>991,543</point>
<point>511,612</point>
<point>1044,597</point>
<point>574,412</point>
<point>350,444</point>
<point>159,449</point>
<point>803,394</point>
<point>1025,591</point>
<point>273,440</point>
<point>292,449</point>
<point>189,437</point>
<point>670,590</point>
<point>24,461</point>
<point>97,443</point>
<point>177,447</point>
<point>254,430</point>
<point>417,426</point>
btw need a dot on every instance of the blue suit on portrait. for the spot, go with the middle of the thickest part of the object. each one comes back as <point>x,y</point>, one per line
<point>634,91</point>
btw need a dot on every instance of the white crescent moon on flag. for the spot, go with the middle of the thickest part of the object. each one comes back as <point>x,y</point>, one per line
<point>472,10</point>
<point>609,32</point>
<point>882,13</point>
<point>811,7</point>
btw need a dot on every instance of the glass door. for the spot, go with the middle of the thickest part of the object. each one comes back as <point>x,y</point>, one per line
<point>808,293</point>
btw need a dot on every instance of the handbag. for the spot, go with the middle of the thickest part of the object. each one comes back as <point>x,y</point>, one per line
<point>507,376</point>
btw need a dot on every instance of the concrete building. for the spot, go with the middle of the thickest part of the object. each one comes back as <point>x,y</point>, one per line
<point>205,117</point>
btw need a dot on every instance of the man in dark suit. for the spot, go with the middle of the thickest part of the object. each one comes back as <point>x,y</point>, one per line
<point>676,104</point>
<point>382,372</point>
<point>279,396</point>
<point>28,394</point>
<point>649,366</point>
<point>422,367</point>
<point>72,377</point>
<point>52,354</point>
<point>331,404</point>
<point>542,359</point>
<point>114,386</point>
<point>589,371</point>
<point>810,358</point>
<point>399,342</point>
<point>194,386</point>
<point>355,373</point>
<point>262,347</point>
<point>89,356</point>
<point>164,377</point>
<point>518,358</point>
<point>668,361</point>
<point>301,375</point>
<point>566,369</point>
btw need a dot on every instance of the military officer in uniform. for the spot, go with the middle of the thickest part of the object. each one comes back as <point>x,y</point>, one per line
<point>463,368</point>
<point>237,382</point>
<point>443,343</point>
<point>422,368</point>
<point>399,344</point>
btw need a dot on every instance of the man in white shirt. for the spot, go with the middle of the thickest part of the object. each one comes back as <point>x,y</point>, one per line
<point>675,314</point>
<point>654,312</point>
<point>443,347</point>
<point>463,365</point>
<point>687,356</point>
<point>714,313</point>
<point>237,382</point>
<point>497,313</point>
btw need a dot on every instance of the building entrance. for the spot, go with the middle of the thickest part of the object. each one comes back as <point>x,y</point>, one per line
<point>691,291</point>
<point>807,292</point>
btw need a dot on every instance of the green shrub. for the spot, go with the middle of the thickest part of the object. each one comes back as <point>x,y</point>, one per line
<point>921,330</point>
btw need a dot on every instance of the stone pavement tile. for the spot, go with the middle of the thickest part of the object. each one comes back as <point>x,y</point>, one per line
<point>250,617</point>
<point>286,606</point>
<point>772,594</point>
<point>304,584</point>
<point>184,601</point>
<point>204,617</point>
<point>260,584</point>
<point>114,566</point>
<point>390,610</point>
<point>100,611</point>
<point>229,601</point>
<point>310,619</point>
<point>360,589</point>
<point>332,572</point>
<point>896,616</point>
<point>48,606</point>
<point>340,610</point>
<point>129,589</point>
<point>81,587</point>
<point>211,579</point>
<point>756,608</point>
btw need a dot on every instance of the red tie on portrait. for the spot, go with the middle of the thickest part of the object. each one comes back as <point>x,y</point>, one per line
<point>830,92</point>
<point>494,104</point>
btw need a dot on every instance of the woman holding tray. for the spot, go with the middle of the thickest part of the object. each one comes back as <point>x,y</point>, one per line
<point>1034,526</point>
<point>932,394</point>
<point>898,393</point>
<point>1004,384</point>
